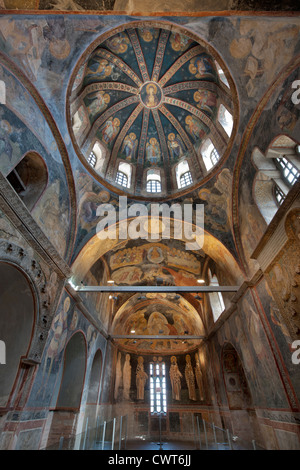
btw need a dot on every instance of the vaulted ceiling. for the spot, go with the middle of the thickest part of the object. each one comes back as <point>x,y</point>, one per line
<point>151,94</point>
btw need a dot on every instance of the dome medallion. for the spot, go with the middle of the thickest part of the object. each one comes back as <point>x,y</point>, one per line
<point>151,95</point>
<point>152,110</point>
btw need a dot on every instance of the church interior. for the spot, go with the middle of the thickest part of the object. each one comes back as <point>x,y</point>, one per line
<point>135,329</point>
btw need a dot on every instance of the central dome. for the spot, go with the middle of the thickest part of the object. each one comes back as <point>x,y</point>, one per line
<point>152,110</point>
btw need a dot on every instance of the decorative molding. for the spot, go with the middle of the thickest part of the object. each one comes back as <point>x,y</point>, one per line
<point>20,217</point>
<point>275,237</point>
<point>46,293</point>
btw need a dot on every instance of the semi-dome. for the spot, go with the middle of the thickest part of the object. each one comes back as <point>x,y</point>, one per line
<point>152,110</point>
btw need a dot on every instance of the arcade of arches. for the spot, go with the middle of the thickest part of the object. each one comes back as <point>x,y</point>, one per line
<point>197,108</point>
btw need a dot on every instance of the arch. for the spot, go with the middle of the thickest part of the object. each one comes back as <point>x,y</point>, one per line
<point>41,105</point>
<point>236,385</point>
<point>183,169</point>
<point>123,176</point>
<point>225,119</point>
<point>277,171</point>
<point>80,120</point>
<point>148,317</point>
<point>243,151</point>
<point>216,298</point>
<point>74,367</point>
<point>222,74</point>
<point>153,181</point>
<point>95,378</point>
<point>209,154</point>
<point>16,324</point>
<point>29,178</point>
<point>96,247</point>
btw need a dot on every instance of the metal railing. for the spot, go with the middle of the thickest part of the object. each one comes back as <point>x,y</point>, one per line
<point>107,435</point>
<point>115,434</point>
<point>212,437</point>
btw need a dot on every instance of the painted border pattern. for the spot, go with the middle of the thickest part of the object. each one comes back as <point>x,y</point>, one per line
<point>139,54</point>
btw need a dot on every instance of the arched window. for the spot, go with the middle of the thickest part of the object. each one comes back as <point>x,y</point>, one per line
<point>158,388</point>
<point>186,179</point>
<point>279,194</point>
<point>123,176</point>
<point>183,174</point>
<point>153,184</point>
<point>214,156</point>
<point>96,157</point>
<point>216,298</point>
<point>29,178</point>
<point>277,172</point>
<point>92,159</point>
<point>289,172</point>
<point>209,154</point>
<point>122,179</point>
<point>221,74</point>
<point>225,119</point>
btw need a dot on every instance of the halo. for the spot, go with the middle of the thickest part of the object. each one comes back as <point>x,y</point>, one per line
<point>151,85</point>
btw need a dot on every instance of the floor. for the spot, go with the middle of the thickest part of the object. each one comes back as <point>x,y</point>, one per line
<point>171,445</point>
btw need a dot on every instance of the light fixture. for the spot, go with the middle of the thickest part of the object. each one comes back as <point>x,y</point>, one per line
<point>132,331</point>
<point>201,281</point>
<point>113,297</point>
<point>110,282</point>
<point>70,282</point>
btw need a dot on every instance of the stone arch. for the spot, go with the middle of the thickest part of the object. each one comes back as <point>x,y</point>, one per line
<point>41,106</point>
<point>17,320</point>
<point>74,367</point>
<point>96,247</point>
<point>236,385</point>
<point>243,418</point>
<point>29,178</point>
<point>269,177</point>
<point>95,378</point>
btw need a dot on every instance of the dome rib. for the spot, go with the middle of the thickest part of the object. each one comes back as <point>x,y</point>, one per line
<point>151,96</point>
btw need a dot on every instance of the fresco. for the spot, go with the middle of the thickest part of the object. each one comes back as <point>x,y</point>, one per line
<point>202,66</point>
<point>52,215</point>
<point>263,48</point>
<point>158,314</point>
<point>165,108</point>
<point>66,322</point>
<point>246,333</point>
<point>155,254</point>
<point>97,103</point>
<point>217,202</point>
<point>280,331</point>
<point>129,147</point>
<point>136,369</point>
<point>22,129</point>
<point>279,115</point>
